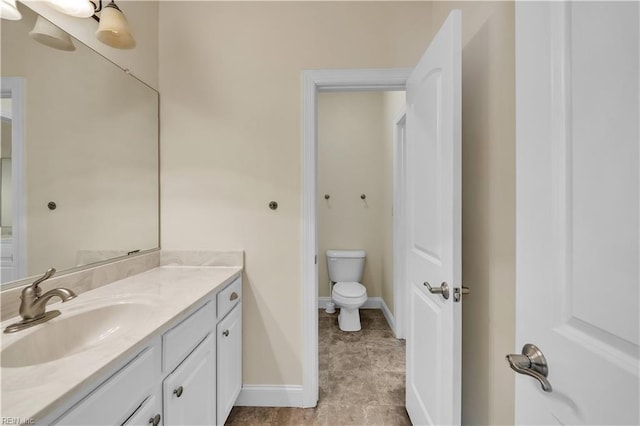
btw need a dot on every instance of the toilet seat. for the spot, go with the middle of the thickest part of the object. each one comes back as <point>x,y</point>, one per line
<point>350,290</point>
<point>349,295</point>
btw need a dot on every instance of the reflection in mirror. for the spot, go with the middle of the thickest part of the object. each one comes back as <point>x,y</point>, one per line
<point>79,154</point>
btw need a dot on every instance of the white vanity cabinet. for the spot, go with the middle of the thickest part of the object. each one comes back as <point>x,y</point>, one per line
<point>191,374</point>
<point>229,359</point>
<point>149,413</point>
<point>189,392</point>
<point>120,396</point>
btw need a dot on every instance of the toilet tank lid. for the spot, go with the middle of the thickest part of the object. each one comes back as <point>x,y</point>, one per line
<point>349,254</point>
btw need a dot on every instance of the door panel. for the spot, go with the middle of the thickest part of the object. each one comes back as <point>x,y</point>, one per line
<point>577,209</point>
<point>433,229</point>
<point>426,233</point>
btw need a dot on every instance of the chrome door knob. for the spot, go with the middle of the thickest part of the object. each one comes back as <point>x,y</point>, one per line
<point>443,289</point>
<point>532,363</point>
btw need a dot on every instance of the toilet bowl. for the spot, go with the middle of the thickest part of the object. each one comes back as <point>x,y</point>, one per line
<point>345,272</point>
<point>349,297</point>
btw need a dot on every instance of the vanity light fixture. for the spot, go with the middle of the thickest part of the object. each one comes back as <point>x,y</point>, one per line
<point>113,28</point>
<point>51,35</point>
<point>9,10</point>
<point>79,9</point>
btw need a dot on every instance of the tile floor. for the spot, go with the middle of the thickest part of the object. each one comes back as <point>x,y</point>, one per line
<point>361,379</point>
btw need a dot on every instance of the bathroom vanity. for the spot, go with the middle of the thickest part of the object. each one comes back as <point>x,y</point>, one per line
<point>160,347</point>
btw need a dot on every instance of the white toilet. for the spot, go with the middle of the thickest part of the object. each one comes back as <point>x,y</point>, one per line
<point>345,270</point>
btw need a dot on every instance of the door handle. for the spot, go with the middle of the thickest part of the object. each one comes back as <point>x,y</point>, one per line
<point>532,363</point>
<point>443,289</point>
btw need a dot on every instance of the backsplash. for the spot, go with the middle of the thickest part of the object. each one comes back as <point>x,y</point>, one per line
<point>85,280</point>
<point>202,258</point>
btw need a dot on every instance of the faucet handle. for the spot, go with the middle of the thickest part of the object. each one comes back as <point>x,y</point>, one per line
<point>45,277</point>
<point>35,286</point>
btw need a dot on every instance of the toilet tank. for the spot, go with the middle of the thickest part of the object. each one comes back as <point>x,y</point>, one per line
<point>345,265</point>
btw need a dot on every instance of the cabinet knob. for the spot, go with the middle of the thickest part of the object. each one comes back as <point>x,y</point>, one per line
<point>155,420</point>
<point>225,333</point>
<point>233,296</point>
<point>178,392</point>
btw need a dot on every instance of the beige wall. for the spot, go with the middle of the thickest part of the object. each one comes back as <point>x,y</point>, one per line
<point>351,158</point>
<point>488,213</point>
<point>231,139</point>
<point>231,131</point>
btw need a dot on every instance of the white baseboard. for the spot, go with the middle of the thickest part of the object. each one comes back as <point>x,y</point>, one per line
<point>270,396</point>
<point>371,303</point>
<point>389,317</point>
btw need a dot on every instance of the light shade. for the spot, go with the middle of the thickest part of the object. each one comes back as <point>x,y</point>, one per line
<point>114,29</point>
<point>77,8</point>
<point>50,35</point>
<point>8,10</point>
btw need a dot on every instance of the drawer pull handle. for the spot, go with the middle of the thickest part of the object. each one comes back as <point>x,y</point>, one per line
<point>178,392</point>
<point>155,420</point>
<point>225,333</point>
<point>233,296</point>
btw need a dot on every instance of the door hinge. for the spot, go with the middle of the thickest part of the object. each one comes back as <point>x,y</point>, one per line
<point>315,260</point>
<point>458,292</point>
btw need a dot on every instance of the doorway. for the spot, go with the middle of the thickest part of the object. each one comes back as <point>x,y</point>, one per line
<point>315,82</point>
<point>356,185</point>
<point>361,373</point>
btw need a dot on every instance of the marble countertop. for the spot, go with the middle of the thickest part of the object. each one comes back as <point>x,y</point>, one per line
<point>34,391</point>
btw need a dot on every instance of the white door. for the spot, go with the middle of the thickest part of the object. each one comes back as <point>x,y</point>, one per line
<point>577,232</point>
<point>433,229</point>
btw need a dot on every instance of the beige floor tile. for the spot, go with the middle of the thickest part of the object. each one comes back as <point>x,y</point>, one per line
<point>391,388</point>
<point>250,416</point>
<point>361,379</point>
<point>391,416</point>
<point>354,415</point>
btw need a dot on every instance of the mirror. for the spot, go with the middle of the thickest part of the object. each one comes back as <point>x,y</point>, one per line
<point>79,154</point>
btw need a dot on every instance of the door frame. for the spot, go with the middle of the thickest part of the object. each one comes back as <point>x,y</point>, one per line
<point>314,81</point>
<point>400,295</point>
<point>13,87</point>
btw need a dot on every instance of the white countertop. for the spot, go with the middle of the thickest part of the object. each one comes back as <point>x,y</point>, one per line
<point>34,391</point>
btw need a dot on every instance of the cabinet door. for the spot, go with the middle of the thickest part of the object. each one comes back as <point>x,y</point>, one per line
<point>149,413</point>
<point>120,396</point>
<point>229,334</point>
<point>189,393</point>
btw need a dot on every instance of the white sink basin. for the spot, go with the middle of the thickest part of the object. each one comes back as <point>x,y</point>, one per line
<point>71,333</point>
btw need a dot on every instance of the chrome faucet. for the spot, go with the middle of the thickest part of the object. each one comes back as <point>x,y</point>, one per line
<point>33,304</point>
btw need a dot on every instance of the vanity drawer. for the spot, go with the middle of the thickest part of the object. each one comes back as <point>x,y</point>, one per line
<point>229,297</point>
<point>117,398</point>
<point>178,342</point>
